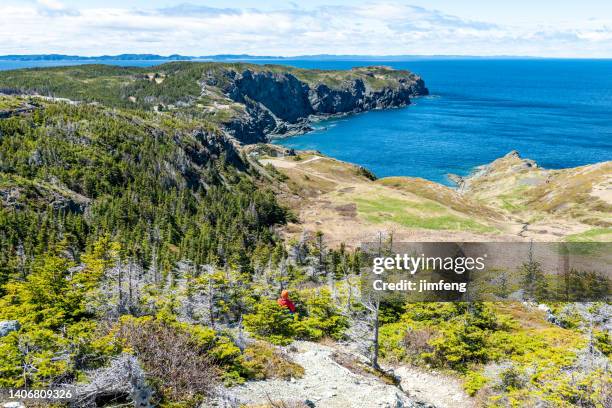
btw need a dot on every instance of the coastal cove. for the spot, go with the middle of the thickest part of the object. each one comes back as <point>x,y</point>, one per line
<point>557,112</point>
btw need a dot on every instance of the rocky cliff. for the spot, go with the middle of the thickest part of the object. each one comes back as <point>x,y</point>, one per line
<point>281,103</point>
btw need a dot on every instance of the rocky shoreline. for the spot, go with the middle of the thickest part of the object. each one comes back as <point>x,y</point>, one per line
<point>307,125</point>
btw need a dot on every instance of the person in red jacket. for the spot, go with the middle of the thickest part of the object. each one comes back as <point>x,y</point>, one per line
<point>285,302</point>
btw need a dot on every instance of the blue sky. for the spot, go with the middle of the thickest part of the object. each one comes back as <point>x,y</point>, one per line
<point>375,27</point>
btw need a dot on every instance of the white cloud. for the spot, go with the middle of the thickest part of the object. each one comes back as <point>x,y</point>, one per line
<point>54,8</point>
<point>378,28</point>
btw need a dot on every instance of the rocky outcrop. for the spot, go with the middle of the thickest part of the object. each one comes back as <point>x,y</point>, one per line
<point>282,94</point>
<point>212,146</point>
<point>278,103</point>
<point>254,125</point>
<point>359,97</point>
<point>43,194</point>
<point>510,164</point>
<point>23,109</point>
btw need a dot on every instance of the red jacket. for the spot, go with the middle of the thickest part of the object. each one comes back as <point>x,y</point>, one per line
<point>286,303</point>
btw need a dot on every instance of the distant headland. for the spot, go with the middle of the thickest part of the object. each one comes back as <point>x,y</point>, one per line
<point>225,57</point>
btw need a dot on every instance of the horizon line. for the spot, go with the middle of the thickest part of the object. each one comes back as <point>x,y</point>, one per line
<point>134,56</point>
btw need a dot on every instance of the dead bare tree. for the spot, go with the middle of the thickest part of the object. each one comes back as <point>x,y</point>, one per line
<point>363,311</point>
<point>210,294</point>
<point>372,305</point>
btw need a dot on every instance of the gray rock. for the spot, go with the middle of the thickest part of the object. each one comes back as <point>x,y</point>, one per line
<point>455,178</point>
<point>517,295</point>
<point>8,326</point>
<point>544,308</point>
<point>221,399</point>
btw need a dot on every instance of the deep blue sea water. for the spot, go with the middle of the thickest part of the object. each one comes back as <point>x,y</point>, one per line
<point>557,112</point>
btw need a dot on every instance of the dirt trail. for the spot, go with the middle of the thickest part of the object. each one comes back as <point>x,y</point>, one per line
<point>285,164</point>
<point>312,159</point>
<point>437,389</point>
<point>297,165</point>
<point>330,385</point>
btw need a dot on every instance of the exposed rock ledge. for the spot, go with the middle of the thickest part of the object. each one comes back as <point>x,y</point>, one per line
<point>510,163</point>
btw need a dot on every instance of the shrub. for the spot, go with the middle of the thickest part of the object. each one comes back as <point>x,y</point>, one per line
<point>539,363</point>
<point>432,312</point>
<point>362,171</point>
<point>474,381</point>
<point>463,338</point>
<point>55,338</point>
<point>458,344</point>
<point>262,361</point>
<point>391,341</point>
<point>416,342</point>
<point>603,341</point>
<point>174,363</point>
<point>43,353</point>
<point>511,378</point>
<point>229,358</point>
<point>324,318</point>
<point>275,324</point>
<point>270,322</point>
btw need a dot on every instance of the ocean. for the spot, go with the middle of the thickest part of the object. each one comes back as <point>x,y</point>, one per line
<point>557,112</point>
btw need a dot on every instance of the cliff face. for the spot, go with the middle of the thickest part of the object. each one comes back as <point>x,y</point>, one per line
<point>280,103</point>
<point>281,94</point>
<point>358,96</point>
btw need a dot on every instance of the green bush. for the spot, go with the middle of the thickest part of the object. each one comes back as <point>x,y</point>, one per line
<point>270,322</point>
<point>474,381</point>
<point>324,318</point>
<point>463,337</point>
<point>262,361</point>
<point>318,317</point>
<point>458,344</point>
<point>443,334</point>
<point>56,339</point>
<point>603,341</point>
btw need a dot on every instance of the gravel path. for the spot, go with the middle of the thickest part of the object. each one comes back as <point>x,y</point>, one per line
<point>330,385</point>
<point>436,389</point>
